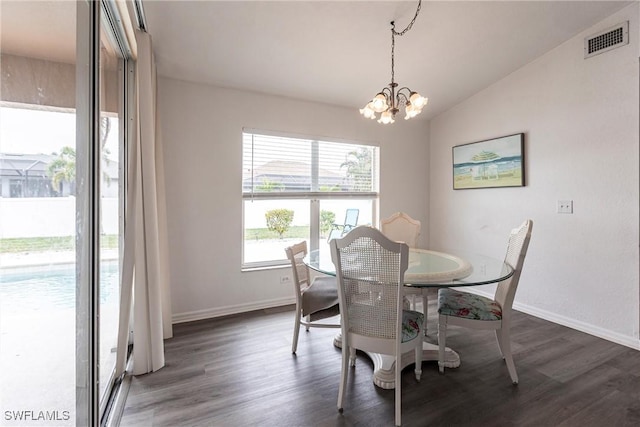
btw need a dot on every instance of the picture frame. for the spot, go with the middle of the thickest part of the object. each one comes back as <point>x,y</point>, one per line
<point>492,163</point>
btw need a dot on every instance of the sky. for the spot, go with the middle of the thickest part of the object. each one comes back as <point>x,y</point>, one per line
<point>27,131</point>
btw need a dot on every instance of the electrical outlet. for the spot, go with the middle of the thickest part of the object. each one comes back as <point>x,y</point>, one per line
<point>565,206</point>
<point>285,279</point>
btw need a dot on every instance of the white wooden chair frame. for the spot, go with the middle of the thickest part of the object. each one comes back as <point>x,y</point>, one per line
<point>353,340</point>
<point>504,296</point>
<point>401,228</point>
<point>302,282</point>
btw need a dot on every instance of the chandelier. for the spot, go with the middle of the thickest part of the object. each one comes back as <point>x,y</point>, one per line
<point>389,100</point>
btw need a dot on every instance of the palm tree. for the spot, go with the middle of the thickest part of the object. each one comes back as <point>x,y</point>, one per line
<point>63,168</point>
<point>358,164</point>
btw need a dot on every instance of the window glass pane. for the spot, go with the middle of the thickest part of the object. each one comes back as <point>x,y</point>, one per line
<point>334,215</point>
<point>37,272</point>
<point>273,164</point>
<point>272,225</point>
<point>37,214</point>
<point>345,167</point>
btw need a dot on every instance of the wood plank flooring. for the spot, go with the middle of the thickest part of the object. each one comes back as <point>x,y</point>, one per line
<point>239,371</point>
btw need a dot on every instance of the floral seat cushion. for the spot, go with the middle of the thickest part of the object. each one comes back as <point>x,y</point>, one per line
<point>412,322</point>
<point>470,306</point>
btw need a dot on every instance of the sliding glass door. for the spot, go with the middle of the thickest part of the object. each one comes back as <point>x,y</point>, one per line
<point>61,192</point>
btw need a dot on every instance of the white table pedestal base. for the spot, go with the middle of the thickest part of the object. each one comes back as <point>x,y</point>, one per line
<point>384,375</point>
<point>384,366</point>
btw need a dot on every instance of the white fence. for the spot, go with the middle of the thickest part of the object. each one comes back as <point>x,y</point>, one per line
<point>49,216</point>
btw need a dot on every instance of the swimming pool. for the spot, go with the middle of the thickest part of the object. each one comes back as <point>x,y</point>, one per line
<point>53,287</point>
<point>39,332</point>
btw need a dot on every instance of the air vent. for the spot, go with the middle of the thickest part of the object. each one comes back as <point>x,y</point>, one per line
<point>608,39</point>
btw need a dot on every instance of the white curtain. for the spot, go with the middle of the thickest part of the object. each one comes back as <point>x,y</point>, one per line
<point>145,272</point>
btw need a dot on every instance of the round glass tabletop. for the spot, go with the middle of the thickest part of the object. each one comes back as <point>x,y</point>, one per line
<point>434,269</point>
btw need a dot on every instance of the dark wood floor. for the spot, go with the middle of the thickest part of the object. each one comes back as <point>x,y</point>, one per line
<point>239,371</point>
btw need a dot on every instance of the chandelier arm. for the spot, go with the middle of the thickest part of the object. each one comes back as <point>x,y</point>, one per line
<point>386,91</point>
<point>406,98</point>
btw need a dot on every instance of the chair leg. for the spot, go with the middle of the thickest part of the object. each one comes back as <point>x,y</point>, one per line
<point>499,339</point>
<point>346,351</point>
<point>308,319</point>
<point>508,357</point>
<point>296,332</point>
<point>398,391</point>
<point>352,356</point>
<point>418,358</point>
<point>425,310</point>
<point>442,341</point>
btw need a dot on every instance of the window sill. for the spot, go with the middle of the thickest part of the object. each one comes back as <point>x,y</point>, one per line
<point>264,267</point>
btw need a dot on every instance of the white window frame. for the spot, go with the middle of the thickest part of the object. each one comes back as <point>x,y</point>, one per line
<point>314,196</point>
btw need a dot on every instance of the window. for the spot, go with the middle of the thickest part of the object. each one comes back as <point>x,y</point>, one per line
<point>296,189</point>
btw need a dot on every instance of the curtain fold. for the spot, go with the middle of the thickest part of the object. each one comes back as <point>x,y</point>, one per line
<point>145,272</point>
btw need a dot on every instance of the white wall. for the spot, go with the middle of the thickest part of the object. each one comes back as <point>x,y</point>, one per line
<point>580,119</point>
<point>202,140</point>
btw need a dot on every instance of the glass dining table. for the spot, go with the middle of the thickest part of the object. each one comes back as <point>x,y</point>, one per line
<point>427,269</point>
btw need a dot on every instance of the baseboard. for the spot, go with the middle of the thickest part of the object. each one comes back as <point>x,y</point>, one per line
<point>533,311</point>
<point>587,328</point>
<point>228,310</point>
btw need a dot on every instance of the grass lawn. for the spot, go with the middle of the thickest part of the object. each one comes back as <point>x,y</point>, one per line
<point>67,243</point>
<point>41,244</point>
<point>264,233</point>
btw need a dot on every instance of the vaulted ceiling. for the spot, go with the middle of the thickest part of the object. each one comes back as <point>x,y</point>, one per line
<point>335,52</point>
<point>338,52</point>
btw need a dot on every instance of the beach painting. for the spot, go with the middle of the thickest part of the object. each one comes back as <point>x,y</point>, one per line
<point>497,162</point>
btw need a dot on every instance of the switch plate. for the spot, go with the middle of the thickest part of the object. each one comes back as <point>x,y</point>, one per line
<point>565,206</point>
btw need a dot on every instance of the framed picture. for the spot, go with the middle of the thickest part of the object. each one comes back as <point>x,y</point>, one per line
<point>497,162</point>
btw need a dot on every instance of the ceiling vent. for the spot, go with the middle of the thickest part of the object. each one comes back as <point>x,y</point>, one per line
<point>608,39</point>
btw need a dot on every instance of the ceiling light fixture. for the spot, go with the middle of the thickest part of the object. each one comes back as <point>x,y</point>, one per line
<point>389,101</point>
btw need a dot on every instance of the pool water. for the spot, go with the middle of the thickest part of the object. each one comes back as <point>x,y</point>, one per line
<point>38,333</point>
<point>53,287</point>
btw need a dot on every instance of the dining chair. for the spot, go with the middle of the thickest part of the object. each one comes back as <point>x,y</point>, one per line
<point>370,270</point>
<point>316,299</point>
<point>461,308</point>
<point>401,227</point>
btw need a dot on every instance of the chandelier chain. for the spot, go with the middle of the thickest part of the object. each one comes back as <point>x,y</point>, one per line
<point>395,33</point>
<point>402,33</point>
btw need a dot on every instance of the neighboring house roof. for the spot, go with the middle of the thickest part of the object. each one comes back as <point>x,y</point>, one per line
<point>295,176</point>
<point>18,165</point>
<point>24,164</point>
